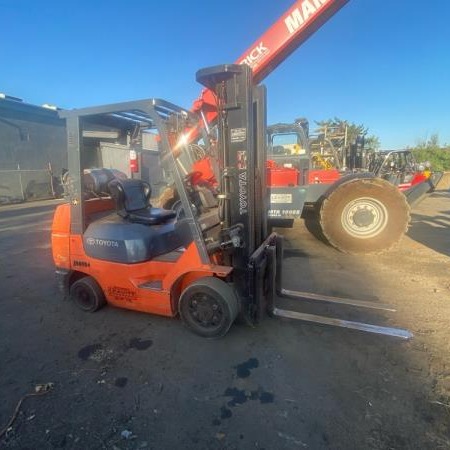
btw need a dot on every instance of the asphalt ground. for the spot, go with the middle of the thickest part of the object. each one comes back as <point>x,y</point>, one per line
<point>125,380</point>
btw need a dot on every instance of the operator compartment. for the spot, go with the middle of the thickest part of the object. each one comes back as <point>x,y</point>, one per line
<point>133,192</point>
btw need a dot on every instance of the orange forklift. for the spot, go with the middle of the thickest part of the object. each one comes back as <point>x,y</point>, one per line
<point>208,260</point>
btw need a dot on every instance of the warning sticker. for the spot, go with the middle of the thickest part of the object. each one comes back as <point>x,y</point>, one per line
<point>121,293</point>
<point>238,134</point>
<point>280,198</point>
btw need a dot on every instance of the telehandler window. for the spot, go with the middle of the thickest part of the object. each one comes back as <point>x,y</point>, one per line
<point>286,144</point>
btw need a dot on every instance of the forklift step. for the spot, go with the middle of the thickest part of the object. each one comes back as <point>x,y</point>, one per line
<point>387,331</point>
<point>154,285</point>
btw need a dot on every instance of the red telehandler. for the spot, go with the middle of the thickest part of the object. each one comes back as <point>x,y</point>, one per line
<point>344,201</point>
<point>358,213</point>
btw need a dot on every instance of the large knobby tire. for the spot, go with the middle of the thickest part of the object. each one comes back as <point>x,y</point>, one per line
<point>311,217</point>
<point>87,294</point>
<point>364,216</point>
<point>208,307</point>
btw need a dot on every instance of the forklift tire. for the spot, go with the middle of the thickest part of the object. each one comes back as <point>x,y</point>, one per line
<point>87,294</point>
<point>364,216</point>
<point>208,307</point>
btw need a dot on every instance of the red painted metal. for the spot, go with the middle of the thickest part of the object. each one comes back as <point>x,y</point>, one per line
<point>134,164</point>
<point>323,176</point>
<point>279,176</point>
<point>203,166</point>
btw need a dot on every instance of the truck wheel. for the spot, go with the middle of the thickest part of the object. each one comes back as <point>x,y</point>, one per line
<point>87,294</point>
<point>364,216</point>
<point>208,307</point>
<point>311,217</point>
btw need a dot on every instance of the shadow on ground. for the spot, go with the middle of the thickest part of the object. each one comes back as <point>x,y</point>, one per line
<point>432,228</point>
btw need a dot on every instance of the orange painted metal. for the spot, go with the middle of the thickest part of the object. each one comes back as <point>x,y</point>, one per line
<point>60,236</point>
<point>129,285</point>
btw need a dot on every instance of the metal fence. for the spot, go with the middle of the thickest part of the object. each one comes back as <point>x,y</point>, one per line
<point>27,185</point>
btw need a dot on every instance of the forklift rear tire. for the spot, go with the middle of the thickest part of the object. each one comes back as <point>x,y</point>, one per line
<point>87,294</point>
<point>208,307</point>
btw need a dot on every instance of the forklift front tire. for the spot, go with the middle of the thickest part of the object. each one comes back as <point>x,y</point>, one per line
<point>87,294</point>
<point>208,307</point>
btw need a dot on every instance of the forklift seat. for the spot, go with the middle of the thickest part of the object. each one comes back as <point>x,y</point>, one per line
<point>133,202</point>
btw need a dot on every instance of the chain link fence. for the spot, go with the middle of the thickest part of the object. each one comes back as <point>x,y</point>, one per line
<point>27,185</point>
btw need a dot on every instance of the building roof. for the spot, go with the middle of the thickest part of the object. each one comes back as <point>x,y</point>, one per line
<point>15,108</point>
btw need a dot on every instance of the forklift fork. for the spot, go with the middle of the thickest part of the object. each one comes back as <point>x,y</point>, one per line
<point>274,252</point>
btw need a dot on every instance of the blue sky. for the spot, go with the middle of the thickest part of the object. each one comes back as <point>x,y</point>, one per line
<point>385,64</point>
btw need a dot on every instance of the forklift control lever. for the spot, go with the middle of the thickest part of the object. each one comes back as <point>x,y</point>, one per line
<point>231,238</point>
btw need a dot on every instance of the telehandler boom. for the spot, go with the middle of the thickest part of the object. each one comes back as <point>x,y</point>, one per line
<point>295,26</point>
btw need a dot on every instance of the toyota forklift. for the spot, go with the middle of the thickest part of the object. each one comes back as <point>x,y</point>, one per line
<point>206,262</point>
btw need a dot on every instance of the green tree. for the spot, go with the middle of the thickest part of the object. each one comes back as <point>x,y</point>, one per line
<point>372,143</point>
<point>341,130</point>
<point>343,134</point>
<point>429,150</point>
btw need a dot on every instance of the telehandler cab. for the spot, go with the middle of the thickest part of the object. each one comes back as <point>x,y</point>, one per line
<point>207,263</point>
<point>359,208</point>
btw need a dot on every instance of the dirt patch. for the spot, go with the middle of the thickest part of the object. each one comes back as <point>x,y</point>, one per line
<point>444,183</point>
<point>127,380</point>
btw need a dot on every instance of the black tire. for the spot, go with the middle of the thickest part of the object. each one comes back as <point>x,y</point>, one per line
<point>364,216</point>
<point>311,217</point>
<point>208,307</point>
<point>87,294</point>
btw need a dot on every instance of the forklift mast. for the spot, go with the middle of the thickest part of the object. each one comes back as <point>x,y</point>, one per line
<point>241,109</point>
